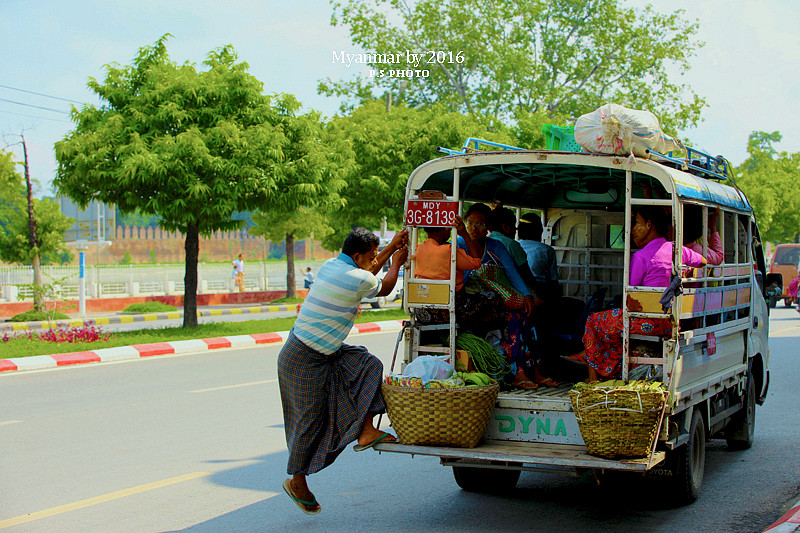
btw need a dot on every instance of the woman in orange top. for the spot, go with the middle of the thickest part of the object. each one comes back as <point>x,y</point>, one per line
<point>433,255</point>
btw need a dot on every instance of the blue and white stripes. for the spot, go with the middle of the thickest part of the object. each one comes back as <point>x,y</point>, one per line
<point>329,310</point>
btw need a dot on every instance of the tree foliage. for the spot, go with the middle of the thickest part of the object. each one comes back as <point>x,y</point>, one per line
<point>190,146</point>
<point>14,237</point>
<point>769,179</point>
<point>310,176</point>
<point>387,145</point>
<point>501,58</point>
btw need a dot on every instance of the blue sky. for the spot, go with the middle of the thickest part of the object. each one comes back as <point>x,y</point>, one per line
<point>748,70</point>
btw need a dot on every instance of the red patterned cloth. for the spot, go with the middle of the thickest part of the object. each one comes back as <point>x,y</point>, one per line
<point>603,338</point>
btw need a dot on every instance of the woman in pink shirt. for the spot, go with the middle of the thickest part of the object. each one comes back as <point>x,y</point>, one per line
<point>693,232</point>
<point>651,266</point>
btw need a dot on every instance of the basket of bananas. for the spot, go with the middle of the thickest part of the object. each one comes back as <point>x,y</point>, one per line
<point>619,418</point>
<point>450,412</point>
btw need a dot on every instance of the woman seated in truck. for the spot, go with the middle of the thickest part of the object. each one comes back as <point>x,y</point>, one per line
<point>693,233</point>
<point>432,261</point>
<point>651,266</point>
<point>515,331</point>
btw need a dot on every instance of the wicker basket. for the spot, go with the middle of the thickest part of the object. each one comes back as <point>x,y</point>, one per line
<point>618,422</point>
<point>440,417</point>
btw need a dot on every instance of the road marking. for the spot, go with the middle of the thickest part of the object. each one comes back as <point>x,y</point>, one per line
<point>784,329</point>
<point>236,386</point>
<point>99,499</point>
<point>7,422</point>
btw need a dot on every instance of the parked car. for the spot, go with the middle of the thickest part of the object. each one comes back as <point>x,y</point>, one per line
<point>396,294</point>
<point>785,261</point>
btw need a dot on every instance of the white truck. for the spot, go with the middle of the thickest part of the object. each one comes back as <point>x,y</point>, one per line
<point>716,362</point>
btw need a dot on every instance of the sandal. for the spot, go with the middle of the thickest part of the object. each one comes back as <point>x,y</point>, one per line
<point>312,507</point>
<point>548,382</point>
<point>524,383</point>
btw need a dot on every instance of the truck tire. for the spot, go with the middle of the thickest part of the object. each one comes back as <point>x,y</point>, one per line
<point>773,301</point>
<point>787,302</point>
<point>485,479</point>
<point>380,303</point>
<point>686,464</point>
<point>739,433</point>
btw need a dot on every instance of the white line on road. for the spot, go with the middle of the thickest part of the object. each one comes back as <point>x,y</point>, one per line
<point>236,386</point>
<point>7,422</point>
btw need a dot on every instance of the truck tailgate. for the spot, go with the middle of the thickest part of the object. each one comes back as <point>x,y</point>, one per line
<point>525,454</point>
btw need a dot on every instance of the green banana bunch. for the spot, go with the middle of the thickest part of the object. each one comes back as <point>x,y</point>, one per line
<point>474,379</point>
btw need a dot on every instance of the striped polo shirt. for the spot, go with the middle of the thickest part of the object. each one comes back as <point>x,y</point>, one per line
<point>329,310</point>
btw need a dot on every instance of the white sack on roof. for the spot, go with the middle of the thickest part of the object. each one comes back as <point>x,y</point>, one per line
<point>615,129</point>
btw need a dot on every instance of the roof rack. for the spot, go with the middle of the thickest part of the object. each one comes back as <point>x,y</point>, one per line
<point>468,148</point>
<point>706,165</point>
<point>702,163</point>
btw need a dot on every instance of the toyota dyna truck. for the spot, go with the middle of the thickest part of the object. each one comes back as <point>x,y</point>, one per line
<point>716,362</point>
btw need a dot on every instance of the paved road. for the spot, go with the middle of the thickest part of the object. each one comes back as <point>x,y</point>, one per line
<point>195,443</point>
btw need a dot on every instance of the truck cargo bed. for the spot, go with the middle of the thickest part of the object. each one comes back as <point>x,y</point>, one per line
<point>527,449</point>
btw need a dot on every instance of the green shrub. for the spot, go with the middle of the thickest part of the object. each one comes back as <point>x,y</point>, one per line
<point>287,301</point>
<point>149,307</point>
<point>35,316</point>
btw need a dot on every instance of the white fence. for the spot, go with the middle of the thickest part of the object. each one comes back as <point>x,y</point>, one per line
<point>108,281</point>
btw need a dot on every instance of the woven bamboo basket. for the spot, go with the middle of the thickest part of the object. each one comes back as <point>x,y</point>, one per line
<point>455,416</point>
<point>618,422</point>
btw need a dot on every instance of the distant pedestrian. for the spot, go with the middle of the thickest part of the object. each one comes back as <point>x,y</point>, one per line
<point>309,279</point>
<point>238,273</point>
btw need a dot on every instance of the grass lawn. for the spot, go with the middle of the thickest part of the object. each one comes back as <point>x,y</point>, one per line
<point>23,347</point>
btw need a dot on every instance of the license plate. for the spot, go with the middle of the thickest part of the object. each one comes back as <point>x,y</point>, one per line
<point>431,213</point>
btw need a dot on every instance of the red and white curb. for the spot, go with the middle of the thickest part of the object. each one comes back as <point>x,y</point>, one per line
<point>122,353</point>
<point>788,523</point>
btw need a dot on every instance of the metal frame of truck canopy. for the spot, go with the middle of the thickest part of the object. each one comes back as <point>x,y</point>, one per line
<point>545,180</point>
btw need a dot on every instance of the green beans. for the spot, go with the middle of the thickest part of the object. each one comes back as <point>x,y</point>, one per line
<point>484,356</point>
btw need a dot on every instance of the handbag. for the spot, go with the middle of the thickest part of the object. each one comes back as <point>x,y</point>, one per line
<point>493,276</point>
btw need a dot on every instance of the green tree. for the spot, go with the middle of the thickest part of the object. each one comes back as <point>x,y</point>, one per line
<point>499,58</point>
<point>310,177</point>
<point>290,227</point>
<point>190,146</point>
<point>769,179</point>
<point>31,230</point>
<point>388,144</point>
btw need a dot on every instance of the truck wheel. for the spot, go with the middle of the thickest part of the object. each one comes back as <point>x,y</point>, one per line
<point>740,431</point>
<point>773,301</point>
<point>485,479</point>
<point>787,302</point>
<point>687,463</point>
<point>380,303</point>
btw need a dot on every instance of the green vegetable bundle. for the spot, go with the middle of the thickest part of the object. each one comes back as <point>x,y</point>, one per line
<point>484,356</point>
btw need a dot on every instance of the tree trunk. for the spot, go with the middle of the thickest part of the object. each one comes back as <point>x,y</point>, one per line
<point>290,279</point>
<point>33,239</point>
<point>192,247</point>
<point>38,293</point>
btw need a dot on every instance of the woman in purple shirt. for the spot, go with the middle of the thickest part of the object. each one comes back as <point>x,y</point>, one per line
<point>651,266</point>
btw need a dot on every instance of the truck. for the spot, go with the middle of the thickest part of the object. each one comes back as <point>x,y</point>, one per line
<point>715,364</point>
